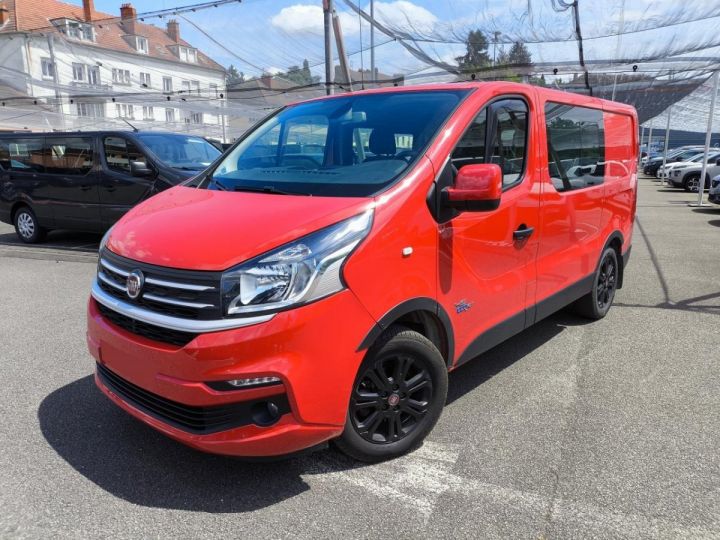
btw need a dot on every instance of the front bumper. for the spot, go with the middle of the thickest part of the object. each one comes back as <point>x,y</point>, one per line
<point>714,198</point>
<point>312,349</point>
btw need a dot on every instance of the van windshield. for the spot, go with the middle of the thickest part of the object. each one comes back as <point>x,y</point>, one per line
<point>180,151</point>
<point>350,146</point>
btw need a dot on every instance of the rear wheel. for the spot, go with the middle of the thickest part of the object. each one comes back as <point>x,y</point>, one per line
<point>397,398</point>
<point>27,227</point>
<point>597,302</point>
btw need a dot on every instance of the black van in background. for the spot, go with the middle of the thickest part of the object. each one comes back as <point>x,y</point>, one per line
<point>86,181</point>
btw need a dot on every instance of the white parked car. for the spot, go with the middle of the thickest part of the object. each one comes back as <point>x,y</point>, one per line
<point>687,175</point>
<point>715,190</point>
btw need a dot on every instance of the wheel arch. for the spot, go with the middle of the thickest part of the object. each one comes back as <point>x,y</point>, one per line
<point>424,315</point>
<point>616,240</point>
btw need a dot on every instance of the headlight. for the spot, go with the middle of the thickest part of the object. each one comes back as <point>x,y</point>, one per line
<point>104,240</point>
<point>301,271</point>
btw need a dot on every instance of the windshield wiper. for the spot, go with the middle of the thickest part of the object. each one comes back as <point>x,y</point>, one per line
<point>268,189</point>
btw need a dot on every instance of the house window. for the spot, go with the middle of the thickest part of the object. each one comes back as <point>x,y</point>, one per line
<point>48,68</point>
<point>124,111</point>
<point>75,29</point>
<point>214,89</point>
<point>187,55</point>
<point>121,76</point>
<point>196,118</point>
<point>170,115</point>
<point>186,87</point>
<point>196,87</point>
<point>167,84</point>
<point>141,44</point>
<point>145,79</point>
<point>148,113</point>
<point>78,72</point>
<point>93,110</point>
<point>93,73</point>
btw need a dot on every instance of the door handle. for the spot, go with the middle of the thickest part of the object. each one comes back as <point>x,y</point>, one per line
<point>110,188</point>
<point>523,232</point>
<point>85,188</point>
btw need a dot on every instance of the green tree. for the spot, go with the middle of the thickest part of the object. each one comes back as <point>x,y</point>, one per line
<point>300,75</point>
<point>233,76</point>
<point>519,54</point>
<point>476,56</point>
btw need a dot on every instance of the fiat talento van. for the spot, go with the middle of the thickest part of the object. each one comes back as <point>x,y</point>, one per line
<point>320,280</point>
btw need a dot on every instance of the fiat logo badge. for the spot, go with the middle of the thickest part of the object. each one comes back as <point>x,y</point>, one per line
<point>134,283</point>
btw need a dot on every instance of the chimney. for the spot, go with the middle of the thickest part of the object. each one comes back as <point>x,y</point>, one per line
<point>88,9</point>
<point>4,13</point>
<point>173,30</point>
<point>128,16</point>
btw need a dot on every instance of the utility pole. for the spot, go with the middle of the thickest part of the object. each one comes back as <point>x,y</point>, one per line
<point>372,43</point>
<point>496,36</point>
<point>327,15</point>
<point>56,81</point>
<point>341,49</point>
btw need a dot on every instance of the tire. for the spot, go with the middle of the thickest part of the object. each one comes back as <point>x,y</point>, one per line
<point>691,182</point>
<point>385,419</point>
<point>595,304</point>
<point>27,227</point>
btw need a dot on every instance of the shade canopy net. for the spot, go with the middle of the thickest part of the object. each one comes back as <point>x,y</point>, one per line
<point>651,54</point>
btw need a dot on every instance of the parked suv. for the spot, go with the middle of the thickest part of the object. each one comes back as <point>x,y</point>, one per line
<point>679,154</point>
<point>319,281</point>
<point>714,195</point>
<point>86,181</point>
<point>686,174</point>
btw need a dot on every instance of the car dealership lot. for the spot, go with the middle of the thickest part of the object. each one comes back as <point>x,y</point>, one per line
<point>576,429</point>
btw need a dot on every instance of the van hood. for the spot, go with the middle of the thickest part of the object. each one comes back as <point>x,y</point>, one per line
<point>200,229</point>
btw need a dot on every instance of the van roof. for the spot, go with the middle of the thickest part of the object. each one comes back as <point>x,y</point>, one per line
<point>509,87</point>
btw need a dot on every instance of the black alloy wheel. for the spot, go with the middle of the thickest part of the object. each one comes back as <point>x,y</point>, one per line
<point>391,399</point>
<point>606,283</point>
<point>397,397</point>
<point>596,303</point>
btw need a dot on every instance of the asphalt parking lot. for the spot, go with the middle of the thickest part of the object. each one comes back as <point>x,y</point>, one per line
<point>572,430</point>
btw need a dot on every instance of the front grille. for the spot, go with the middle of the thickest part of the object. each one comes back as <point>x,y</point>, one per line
<point>149,331</point>
<point>199,420</point>
<point>178,293</point>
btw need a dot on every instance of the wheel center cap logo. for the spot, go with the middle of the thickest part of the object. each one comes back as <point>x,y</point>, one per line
<point>393,400</point>
<point>134,283</point>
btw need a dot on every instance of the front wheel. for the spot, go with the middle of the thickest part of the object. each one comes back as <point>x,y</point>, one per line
<point>398,395</point>
<point>596,303</point>
<point>27,227</point>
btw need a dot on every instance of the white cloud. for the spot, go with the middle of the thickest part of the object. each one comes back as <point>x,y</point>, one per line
<point>400,14</point>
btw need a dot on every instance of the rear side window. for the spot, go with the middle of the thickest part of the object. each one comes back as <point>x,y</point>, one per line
<point>68,155</point>
<point>576,146</point>
<point>498,135</point>
<point>119,152</point>
<point>24,155</point>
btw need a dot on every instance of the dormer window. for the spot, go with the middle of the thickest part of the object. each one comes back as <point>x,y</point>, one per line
<point>141,45</point>
<point>75,29</point>
<point>187,54</point>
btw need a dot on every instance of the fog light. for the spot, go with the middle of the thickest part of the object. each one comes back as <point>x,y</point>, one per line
<point>255,381</point>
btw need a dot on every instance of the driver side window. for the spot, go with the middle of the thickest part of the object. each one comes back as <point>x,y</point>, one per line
<point>498,135</point>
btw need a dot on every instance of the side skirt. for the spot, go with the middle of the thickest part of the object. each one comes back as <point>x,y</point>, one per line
<point>526,318</point>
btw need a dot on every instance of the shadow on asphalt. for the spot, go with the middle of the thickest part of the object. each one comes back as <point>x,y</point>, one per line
<point>65,240</point>
<point>134,462</point>
<point>469,376</point>
<point>714,222</point>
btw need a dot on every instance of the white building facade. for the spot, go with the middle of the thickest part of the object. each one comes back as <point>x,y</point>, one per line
<point>63,69</point>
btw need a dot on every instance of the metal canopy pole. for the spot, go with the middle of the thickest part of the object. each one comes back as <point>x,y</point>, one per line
<point>708,134</point>
<point>327,7</point>
<point>642,137</point>
<point>667,142</point>
<point>372,43</point>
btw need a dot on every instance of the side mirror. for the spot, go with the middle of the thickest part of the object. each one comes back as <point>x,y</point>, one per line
<point>478,188</point>
<point>140,169</point>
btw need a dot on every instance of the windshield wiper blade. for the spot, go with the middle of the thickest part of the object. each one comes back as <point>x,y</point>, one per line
<point>268,189</point>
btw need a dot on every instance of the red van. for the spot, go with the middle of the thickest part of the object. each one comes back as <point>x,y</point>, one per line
<point>320,280</point>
